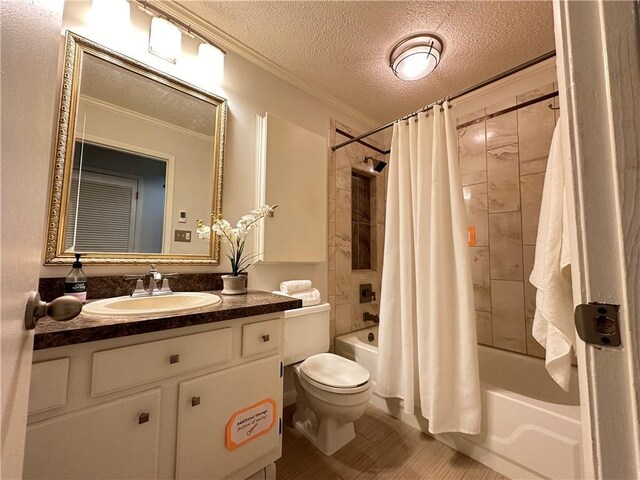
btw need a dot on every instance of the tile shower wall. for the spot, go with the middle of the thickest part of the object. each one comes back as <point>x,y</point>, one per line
<point>502,165</point>
<point>346,311</point>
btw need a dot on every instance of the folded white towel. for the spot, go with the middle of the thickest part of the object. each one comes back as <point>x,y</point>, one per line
<point>293,286</point>
<point>553,323</point>
<point>309,297</point>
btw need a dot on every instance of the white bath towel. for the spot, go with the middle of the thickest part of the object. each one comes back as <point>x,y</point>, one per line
<point>553,325</point>
<point>309,297</point>
<point>293,286</point>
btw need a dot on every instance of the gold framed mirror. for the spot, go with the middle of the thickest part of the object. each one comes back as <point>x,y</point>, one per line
<point>138,159</point>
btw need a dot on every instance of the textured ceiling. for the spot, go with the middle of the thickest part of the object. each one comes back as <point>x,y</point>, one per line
<point>343,47</point>
<point>121,87</point>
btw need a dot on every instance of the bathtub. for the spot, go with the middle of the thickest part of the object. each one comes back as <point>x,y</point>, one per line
<point>530,427</point>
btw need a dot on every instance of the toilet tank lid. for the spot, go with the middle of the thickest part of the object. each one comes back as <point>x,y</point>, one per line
<point>334,371</point>
<point>322,307</point>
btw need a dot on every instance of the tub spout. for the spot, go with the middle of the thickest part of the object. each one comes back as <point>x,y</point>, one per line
<point>369,317</point>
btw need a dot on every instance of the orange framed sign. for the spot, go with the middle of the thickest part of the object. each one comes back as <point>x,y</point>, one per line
<point>250,423</point>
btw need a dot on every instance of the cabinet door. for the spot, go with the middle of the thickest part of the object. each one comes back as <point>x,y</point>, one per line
<point>207,404</point>
<point>117,439</point>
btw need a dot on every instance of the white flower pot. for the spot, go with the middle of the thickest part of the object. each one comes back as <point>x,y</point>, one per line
<point>234,284</point>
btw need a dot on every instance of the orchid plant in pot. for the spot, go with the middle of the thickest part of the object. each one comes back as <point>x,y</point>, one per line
<point>234,238</point>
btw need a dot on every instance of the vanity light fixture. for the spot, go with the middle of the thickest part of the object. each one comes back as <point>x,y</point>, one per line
<point>110,13</point>
<point>211,60</point>
<point>165,39</point>
<point>416,56</point>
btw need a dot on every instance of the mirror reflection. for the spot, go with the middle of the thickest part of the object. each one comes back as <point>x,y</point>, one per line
<point>143,162</point>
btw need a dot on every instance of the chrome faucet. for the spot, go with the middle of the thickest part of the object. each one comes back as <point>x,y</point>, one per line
<point>155,277</point>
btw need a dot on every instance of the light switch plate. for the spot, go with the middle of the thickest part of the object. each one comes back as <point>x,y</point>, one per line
<point>182,236</point>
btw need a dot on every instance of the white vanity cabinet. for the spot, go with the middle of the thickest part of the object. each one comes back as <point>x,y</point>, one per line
<point>118,439</point>
<point>205,406</point>
<point>158,405</point>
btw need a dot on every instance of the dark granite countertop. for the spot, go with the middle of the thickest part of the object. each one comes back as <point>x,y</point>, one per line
<point>90,328</point>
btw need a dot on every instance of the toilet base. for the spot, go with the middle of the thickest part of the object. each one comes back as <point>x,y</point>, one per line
<point>328,434</point>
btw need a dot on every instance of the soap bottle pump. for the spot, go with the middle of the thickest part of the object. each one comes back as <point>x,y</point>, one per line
<point>75,284</point>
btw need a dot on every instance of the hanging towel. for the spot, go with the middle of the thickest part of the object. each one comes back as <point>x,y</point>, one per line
<point>553,324</point>
<point>292,286</point>
<point>309,297</point>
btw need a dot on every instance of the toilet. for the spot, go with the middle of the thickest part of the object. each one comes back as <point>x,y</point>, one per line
<point>331,391</point>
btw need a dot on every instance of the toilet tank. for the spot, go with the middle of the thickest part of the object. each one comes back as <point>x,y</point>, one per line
<point>306,332</point>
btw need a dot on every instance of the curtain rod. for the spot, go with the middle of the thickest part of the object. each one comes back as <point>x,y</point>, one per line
<point>459,94</point>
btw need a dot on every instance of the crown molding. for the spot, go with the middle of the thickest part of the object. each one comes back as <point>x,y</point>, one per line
<point>119,110</point>
<point>231,44</point>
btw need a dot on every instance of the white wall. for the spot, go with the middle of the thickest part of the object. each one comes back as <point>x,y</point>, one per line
<point>250,91</point>
<point>29,84</point>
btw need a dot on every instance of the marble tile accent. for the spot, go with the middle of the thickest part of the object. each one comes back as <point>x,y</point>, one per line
<point>331,258</point>
<point>481,278</point>
<point>533,347</point>
<point>332,320</point>
<point>331,167</point>
<point>343,281</point>
<point>483,328</point>
<point>470,116</point>
<point>505,239</point>
<point>531,187</point>
<point>332,186</point>
<point>477,214</point>
<point>380,198</point>
<point>360,199</point>
<point>343,318</point>
<point>536,92</point>
<point>343,220</point>
<point>502,130</point>
<point>364,246</point>
<point>496,107</point>
<point>380,231</point>
<point>332,234</point>
<point>535,130</point>
<point>507,314</point>
<point>343,170</point>
<point>472,154</point>
<point>332,210</point>
<point>528,256</point>
<point>331,284</point>
<point>503,176</point>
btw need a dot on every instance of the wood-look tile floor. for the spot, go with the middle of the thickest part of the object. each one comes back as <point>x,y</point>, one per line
<point>384,448</point>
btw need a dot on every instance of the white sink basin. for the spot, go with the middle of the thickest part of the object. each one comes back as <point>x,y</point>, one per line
<point>174,303</point>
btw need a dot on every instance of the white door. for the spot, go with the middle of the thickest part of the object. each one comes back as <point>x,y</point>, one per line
<point>598,59</point>
<point>30,45</point>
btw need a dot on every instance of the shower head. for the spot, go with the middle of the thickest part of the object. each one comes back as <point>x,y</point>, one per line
<point>378,165</point>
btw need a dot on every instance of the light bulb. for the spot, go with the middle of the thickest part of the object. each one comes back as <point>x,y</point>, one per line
<point>211,61</point>
<point>165,39</point>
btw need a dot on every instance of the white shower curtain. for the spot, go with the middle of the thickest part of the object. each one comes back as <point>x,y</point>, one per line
<point>427,341</point>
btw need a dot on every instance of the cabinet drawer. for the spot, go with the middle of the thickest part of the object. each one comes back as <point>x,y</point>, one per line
<point>49,382</point>
<point>137,364</point>
<point>260,337</point>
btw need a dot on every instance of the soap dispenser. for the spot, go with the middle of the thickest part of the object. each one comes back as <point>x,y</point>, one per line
<point>75,284</point>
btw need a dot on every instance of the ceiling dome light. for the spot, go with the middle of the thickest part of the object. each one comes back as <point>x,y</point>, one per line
<point>416,56</point>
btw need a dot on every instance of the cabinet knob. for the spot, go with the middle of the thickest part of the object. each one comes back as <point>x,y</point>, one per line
<point>174,358</point>
<point>195,401</point>
<point>265,338</point>
<point>143,418</point>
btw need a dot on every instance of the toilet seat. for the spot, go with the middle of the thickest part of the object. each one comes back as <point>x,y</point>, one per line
<point>335,374</point>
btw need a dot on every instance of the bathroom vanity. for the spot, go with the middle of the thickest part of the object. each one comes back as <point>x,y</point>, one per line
<point>195,395</point>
